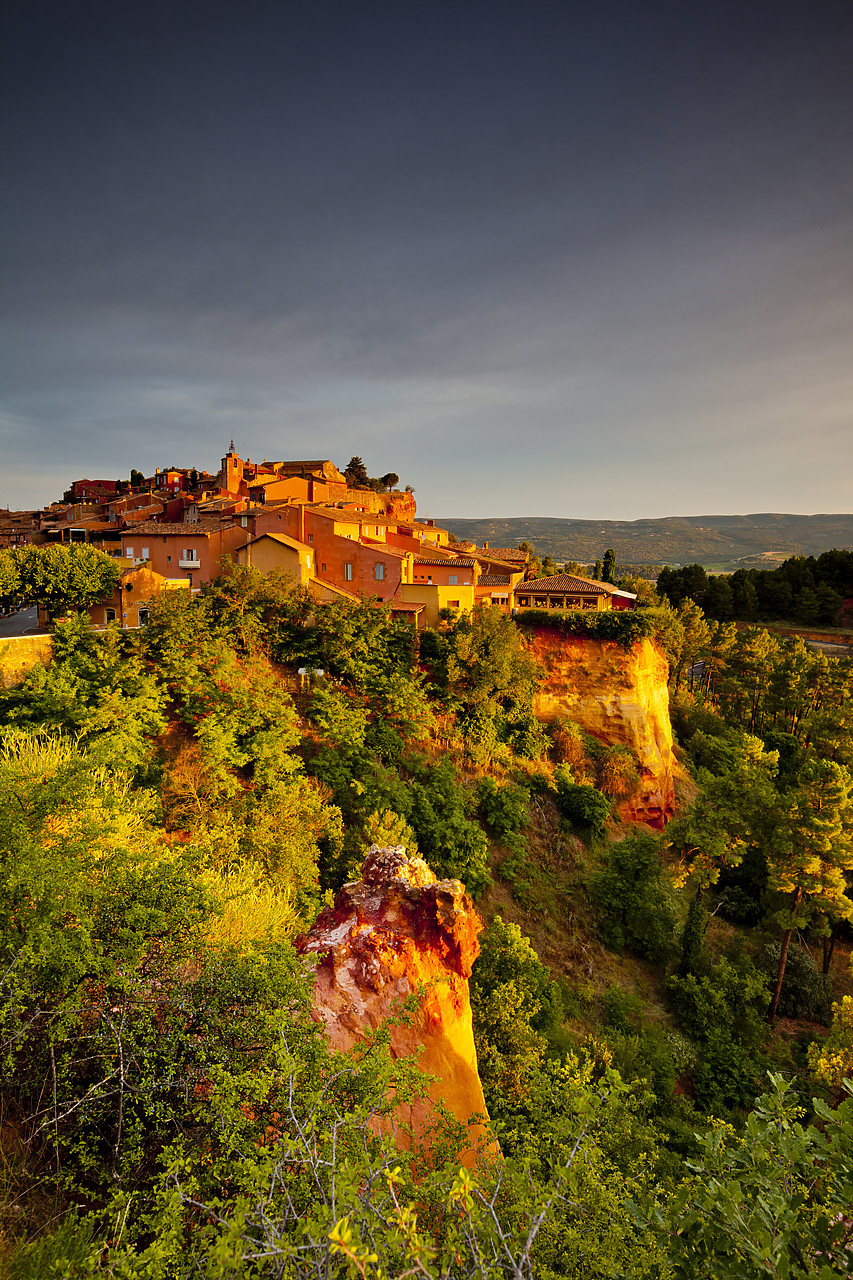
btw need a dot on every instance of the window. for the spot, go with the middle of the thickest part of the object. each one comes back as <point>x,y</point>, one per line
<point>324,568</point>
<point>379,572</point>
<point>169,559</point>
<point>190,554</point>
<point>129,552</point>
<point>453,604</point>
<point>310,537</point>
<point>524,600</point>
<point>348,571</point>
<point>143,617</point>
<point>110,615</point>
<point>453,579</point>
<point>146,553</point>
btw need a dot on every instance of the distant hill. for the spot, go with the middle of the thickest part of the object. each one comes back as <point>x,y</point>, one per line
<point>717,542</point>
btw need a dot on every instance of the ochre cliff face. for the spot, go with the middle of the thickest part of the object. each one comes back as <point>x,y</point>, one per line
<point>388,935</point>
<point>619,695</point>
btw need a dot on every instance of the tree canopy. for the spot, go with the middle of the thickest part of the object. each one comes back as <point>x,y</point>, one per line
<point>58,576</point>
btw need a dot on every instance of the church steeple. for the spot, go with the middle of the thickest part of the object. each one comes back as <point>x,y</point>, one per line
<point>231,475</point>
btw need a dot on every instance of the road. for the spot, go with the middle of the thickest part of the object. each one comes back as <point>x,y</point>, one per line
<point>23,623</point>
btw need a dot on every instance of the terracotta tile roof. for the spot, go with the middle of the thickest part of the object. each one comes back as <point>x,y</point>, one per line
<point>351,517</point>
<point>138,515</point>
<point>567,582</point>
<point>441,553</point>
<point>494,580</point>
<point>334,590</point>
<point>374,544</point>
<point>465,562</point>
<point>283,538</point>
<point>400,606</point>
<point>201,527</point>
<point>503,553</point>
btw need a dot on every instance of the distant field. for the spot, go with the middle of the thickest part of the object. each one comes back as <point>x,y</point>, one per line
<point>717,542</point>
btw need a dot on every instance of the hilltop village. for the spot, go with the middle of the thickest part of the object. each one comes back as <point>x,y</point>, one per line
<point>352,872</point>
<point>328,530</point>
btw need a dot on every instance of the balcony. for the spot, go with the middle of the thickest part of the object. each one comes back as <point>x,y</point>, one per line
<point>189,564</point>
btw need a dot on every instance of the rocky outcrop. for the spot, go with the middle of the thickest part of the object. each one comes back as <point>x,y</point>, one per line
<point>618,693</point>
<point>395,932</point>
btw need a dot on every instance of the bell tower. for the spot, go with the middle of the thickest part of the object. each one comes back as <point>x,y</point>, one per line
<point>231,474</point>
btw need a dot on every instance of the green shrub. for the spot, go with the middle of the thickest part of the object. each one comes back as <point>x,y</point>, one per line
<point>740,890</point>
<point>503,808</point>
<point>733,998</point>
<point>580,805</point>
<point>723,1012</point>
<point>632,898</point>
<point>805,991</point>
<point>338,718</point>
<point>622,1010</point>
<point>438,811</point>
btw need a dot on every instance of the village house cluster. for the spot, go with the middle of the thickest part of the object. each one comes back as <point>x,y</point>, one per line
<point>172,530</point>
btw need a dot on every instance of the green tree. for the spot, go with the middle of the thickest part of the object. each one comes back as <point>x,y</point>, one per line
<point>647,596</point>
<point>356,474</point>
<point>718,601</point>
<point>772,1201</point>
<point>514,1001</point>
<point>95,693</point>
<point>609,566</point>
<point>9,577</point>
<point>64,577</point>
<point>812,850</point>
<point>632,897</point>
<point>695,644</point>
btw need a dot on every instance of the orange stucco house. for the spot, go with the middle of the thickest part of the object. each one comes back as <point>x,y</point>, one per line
<point>270,551</point>
<point>191,551</point>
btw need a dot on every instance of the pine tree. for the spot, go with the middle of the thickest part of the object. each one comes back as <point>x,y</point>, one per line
<point>813,849</point>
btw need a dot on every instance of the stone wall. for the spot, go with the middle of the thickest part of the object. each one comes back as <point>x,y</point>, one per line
<point>19,653</point>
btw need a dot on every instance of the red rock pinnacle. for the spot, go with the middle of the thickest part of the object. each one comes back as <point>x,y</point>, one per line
<point>394,932</point>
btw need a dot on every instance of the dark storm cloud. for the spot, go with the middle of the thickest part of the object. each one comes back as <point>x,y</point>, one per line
<point>445,236</point>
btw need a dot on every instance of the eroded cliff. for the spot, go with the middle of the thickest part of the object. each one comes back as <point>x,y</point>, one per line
<point>619,694</point>
<point>397,931</point>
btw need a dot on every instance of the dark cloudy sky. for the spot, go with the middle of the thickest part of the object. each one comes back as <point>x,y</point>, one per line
<point>552,259</point>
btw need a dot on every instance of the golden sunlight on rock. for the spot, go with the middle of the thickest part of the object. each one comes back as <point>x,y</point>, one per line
<point>619,695</point>
<point>395,932</point>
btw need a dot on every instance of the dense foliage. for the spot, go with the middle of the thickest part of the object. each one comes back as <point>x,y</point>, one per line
<point>807,589</point>
<point>177,804</point>
<point>58,576</point>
